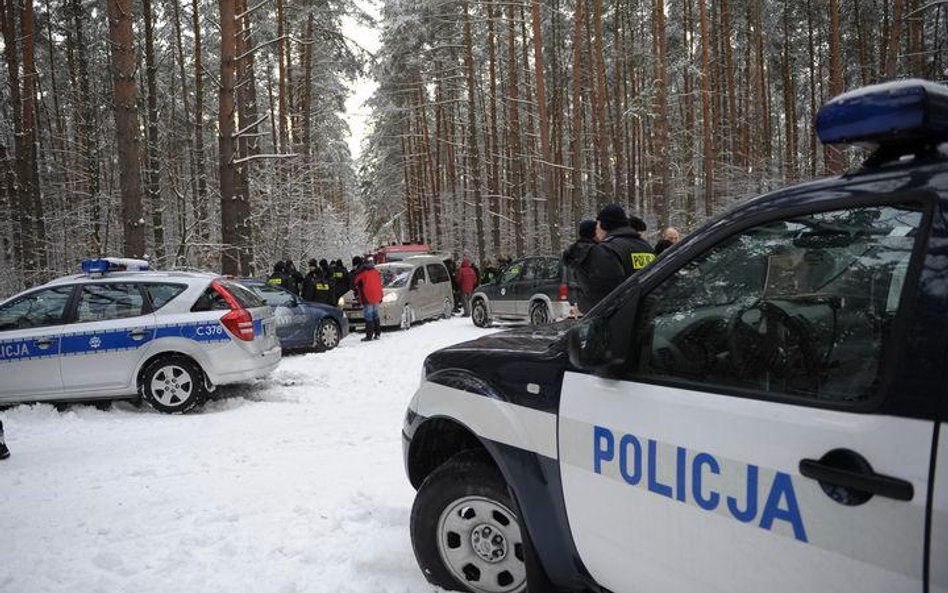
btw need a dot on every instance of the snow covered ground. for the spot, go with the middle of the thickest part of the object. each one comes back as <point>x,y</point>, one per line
<point>289,486</point>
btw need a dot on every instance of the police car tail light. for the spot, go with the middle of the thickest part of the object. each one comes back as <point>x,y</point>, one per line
<point>900,117</point>
<point>238,321</point>
<point>563,292</point>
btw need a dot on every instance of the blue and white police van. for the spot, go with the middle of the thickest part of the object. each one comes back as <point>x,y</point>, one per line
<point>118,330</point>
<point>763,408</point>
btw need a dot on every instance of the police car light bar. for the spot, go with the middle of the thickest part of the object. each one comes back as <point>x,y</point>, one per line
<point>113,264</point>
<point>904,112</point>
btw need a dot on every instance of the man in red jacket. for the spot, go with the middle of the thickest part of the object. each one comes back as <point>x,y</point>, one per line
<point>467,282</point>
<point>367,284</point>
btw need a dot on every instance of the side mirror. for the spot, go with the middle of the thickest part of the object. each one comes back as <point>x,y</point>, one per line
<point>602,343</point>
<point>589,344</point>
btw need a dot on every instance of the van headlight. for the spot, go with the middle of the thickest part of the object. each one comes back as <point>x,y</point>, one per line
<point>341,303</point>
<point>390,297</point>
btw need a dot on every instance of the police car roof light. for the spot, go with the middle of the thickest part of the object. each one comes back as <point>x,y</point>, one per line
<point>103,265</point>
<point>909,114</point>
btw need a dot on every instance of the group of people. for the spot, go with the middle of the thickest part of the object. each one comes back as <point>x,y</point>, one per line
<point>610,249</point>
<point>324,281</point>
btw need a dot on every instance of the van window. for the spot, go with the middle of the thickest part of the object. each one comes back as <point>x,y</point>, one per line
<point>103,302</point>
<point>37,309</point>
<point>438,274</point>
<point>802,307</point>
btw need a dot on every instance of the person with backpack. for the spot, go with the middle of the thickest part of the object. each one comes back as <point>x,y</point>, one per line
<point>575,258</point>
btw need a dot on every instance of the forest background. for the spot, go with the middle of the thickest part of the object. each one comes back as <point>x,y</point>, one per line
<point>213,135</point>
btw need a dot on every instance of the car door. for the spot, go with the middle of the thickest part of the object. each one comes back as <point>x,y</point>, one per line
<point>31,328</point>
<point>292,321</point>
<point>753,442</point>
<point>419,293</point>
<point>440,287</point>
<point>505,303</point>
<point>102,347</point>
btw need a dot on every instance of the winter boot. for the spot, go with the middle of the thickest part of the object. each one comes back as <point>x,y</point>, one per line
<point>378,330</point>
<point>4,452</point>
<point>368,332</point>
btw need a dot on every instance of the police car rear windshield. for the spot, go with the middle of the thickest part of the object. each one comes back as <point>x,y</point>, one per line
<point>211,300</point>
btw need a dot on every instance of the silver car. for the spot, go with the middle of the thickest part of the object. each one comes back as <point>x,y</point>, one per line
<point>416,288</point>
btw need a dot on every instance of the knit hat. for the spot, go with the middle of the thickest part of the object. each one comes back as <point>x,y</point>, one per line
<point>637,224</point>
<point>587,229</point>
<point>356,261</point>
<point>312,263</point>
<point>612,217</point>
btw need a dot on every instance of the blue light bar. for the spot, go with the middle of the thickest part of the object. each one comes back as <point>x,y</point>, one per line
<point>102,265</point>
<point>900,112</point>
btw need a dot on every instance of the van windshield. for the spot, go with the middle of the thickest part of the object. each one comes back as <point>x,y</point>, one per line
<point>395,275</point>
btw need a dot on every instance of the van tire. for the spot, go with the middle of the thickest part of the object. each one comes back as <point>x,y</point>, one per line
<point>539,313</point>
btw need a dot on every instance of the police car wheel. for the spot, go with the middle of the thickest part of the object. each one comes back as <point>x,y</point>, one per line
<point>539,314</point>
<point>173,385</point>
<point>327,335</point>
<point>479,314</point>
<point>464,532</point>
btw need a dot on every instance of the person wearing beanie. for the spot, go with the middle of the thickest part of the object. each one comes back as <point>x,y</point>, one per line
<point>575,258</point>
<point>620,252</point>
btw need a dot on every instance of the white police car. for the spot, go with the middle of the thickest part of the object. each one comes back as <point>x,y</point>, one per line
<point>762,409</point>
<point>118,330</point>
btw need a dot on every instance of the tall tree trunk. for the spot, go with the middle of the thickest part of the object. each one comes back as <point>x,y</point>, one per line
<point>200,187</point>
<point>661,152</point>
<point>232,202</point>
<point>601,112</point>
<point>893,43</point>
<point>153,187</point>
<point>576,139</point>
<point>552,207</point>
<point>20,199</point>
<point>835,161</point>
<point>516,148</point>
<point>474,159</point>
<point>707,140</point>
<point>124,93</point>
<point>493,173</point>
<point>281,58</point>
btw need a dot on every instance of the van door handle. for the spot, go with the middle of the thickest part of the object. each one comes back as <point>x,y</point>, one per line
<point>846,470</point>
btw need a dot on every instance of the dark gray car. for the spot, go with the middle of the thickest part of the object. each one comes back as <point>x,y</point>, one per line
<point>534,289</point>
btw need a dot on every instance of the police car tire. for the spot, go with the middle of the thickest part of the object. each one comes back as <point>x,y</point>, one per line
<point>479,314</point>
<point>198,388</point>
<point>468,474</point>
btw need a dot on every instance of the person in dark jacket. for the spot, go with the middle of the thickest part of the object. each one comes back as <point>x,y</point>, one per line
<point>278,277</point>
<point>620,252</point>
<point>317,286</point>
<point>293,277</point>
<point>4,452</point>
<point>339,279</point>
<point>467,282</point>
<point>575,259</point>
<point>489,271</point>
<point>367,284</point>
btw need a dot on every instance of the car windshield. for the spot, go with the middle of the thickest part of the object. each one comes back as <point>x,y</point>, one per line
<point>395,276</point>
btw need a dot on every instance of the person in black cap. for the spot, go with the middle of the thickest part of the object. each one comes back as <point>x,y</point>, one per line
<point>620,252</point>
<point>575,257</point>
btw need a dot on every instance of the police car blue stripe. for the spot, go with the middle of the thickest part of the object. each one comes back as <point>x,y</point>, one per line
<point>113,340</point>
<point>28,349</point>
